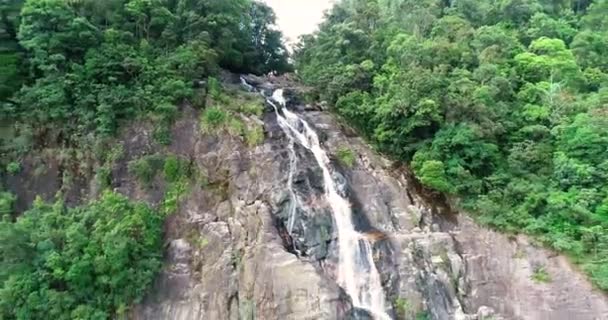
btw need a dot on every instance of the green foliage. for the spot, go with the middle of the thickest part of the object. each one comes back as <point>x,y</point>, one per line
<point>548,59</point>
<point>176,171</point>
<point>403,308</point>
<point>254,108</point>
<point>423,315</point>
<point>541,275</point>
<point>214,88</point>
<point>346,156</point>
<point>11,58</point>
<point>175,168</point>
<point>103,177</point>
<point>599,274</point>
<point>7,200</point>
<point>146,168</point>
<point>173,195</point>
<point>502,103</point>
<point>432,174</point>
<point>13,167</point>
<point>212,119</point>
<point>236,113</point>
<point>107,159</point>
<point>254,135</point>
<point>70,68</point>
<point>89,262</point>
<point>235,127</point>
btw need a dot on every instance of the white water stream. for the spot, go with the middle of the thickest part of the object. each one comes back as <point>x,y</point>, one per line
<point>357,273</point>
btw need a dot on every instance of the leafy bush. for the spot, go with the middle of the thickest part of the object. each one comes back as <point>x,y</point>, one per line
<point>541,275</point>
<point>103,177</point>
<point>424,315</point>
<point>175,168</point>
<point>255,108</point>
<point>254,136</point>
<point>7,200</point>
<point>599,273</point>
<point>432,175</point>
<point>214,88</point>
<point>13,168</point>
<point>174,194</point>
<point>212,119</point>
<point>143,170</point>
<point>146,168</point>
<point>89,262</point>
<point>235,127</point>
<point>346,157</point>
<point>403,308</point>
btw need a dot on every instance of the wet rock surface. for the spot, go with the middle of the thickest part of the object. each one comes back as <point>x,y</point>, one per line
<point>226,257</point>
<point>446,266</point>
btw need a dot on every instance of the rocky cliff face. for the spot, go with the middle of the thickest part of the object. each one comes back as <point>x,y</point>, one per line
<point>233,250</point>
<point>444,263</point>
<point>230,255</point>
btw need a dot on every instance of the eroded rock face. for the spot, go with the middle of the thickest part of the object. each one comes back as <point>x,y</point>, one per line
<point>229,254</point>
<point>226,257</point>
<point>500,274</point>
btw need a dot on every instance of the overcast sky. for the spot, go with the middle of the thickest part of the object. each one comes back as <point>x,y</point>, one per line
<point>297,17</point>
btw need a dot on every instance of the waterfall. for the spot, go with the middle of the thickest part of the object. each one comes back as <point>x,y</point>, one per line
<point>357,273</point>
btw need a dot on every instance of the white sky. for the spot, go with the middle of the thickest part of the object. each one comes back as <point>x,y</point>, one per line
<point>298,17</point>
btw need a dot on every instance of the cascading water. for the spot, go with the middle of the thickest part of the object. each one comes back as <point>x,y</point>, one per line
<point>357,272</point>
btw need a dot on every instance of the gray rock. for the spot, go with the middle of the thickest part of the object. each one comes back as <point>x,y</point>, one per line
<point>485,313</point>
<point>230,254</point>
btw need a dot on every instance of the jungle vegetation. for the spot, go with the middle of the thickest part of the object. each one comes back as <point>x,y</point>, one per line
<point>502,104</point>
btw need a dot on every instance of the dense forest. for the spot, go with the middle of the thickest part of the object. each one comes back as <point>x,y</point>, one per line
<point>500,103</point>
<point>72,73</point>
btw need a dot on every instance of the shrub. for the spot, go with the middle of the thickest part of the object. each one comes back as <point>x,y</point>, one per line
<point>541,275</point>
<point>255,108</point>
<point>103,177</point>
<point>346,157</point>
<point>423,315</point>
<point>146,168</point>
<point>432,175</point>
<point>13,168</point>
<point>166,111</point>
<point>162,134</point>
<point>7,201</point>
<point>236,127</point>
<point>88,262</point>
<point>175,168</point>
<point>214,88</point>
<point>599,274</point>
<point>254,136</point>
<point>403,308</point>
<point>142,170</point>
<point>213,118</point>
<point>172,197</point>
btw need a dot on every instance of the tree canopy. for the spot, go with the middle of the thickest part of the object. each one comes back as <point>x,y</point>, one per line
<point>75,67</point>
<point>89,262</point>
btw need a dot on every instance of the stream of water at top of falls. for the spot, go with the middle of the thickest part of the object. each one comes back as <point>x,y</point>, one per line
<point>357,272</point>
